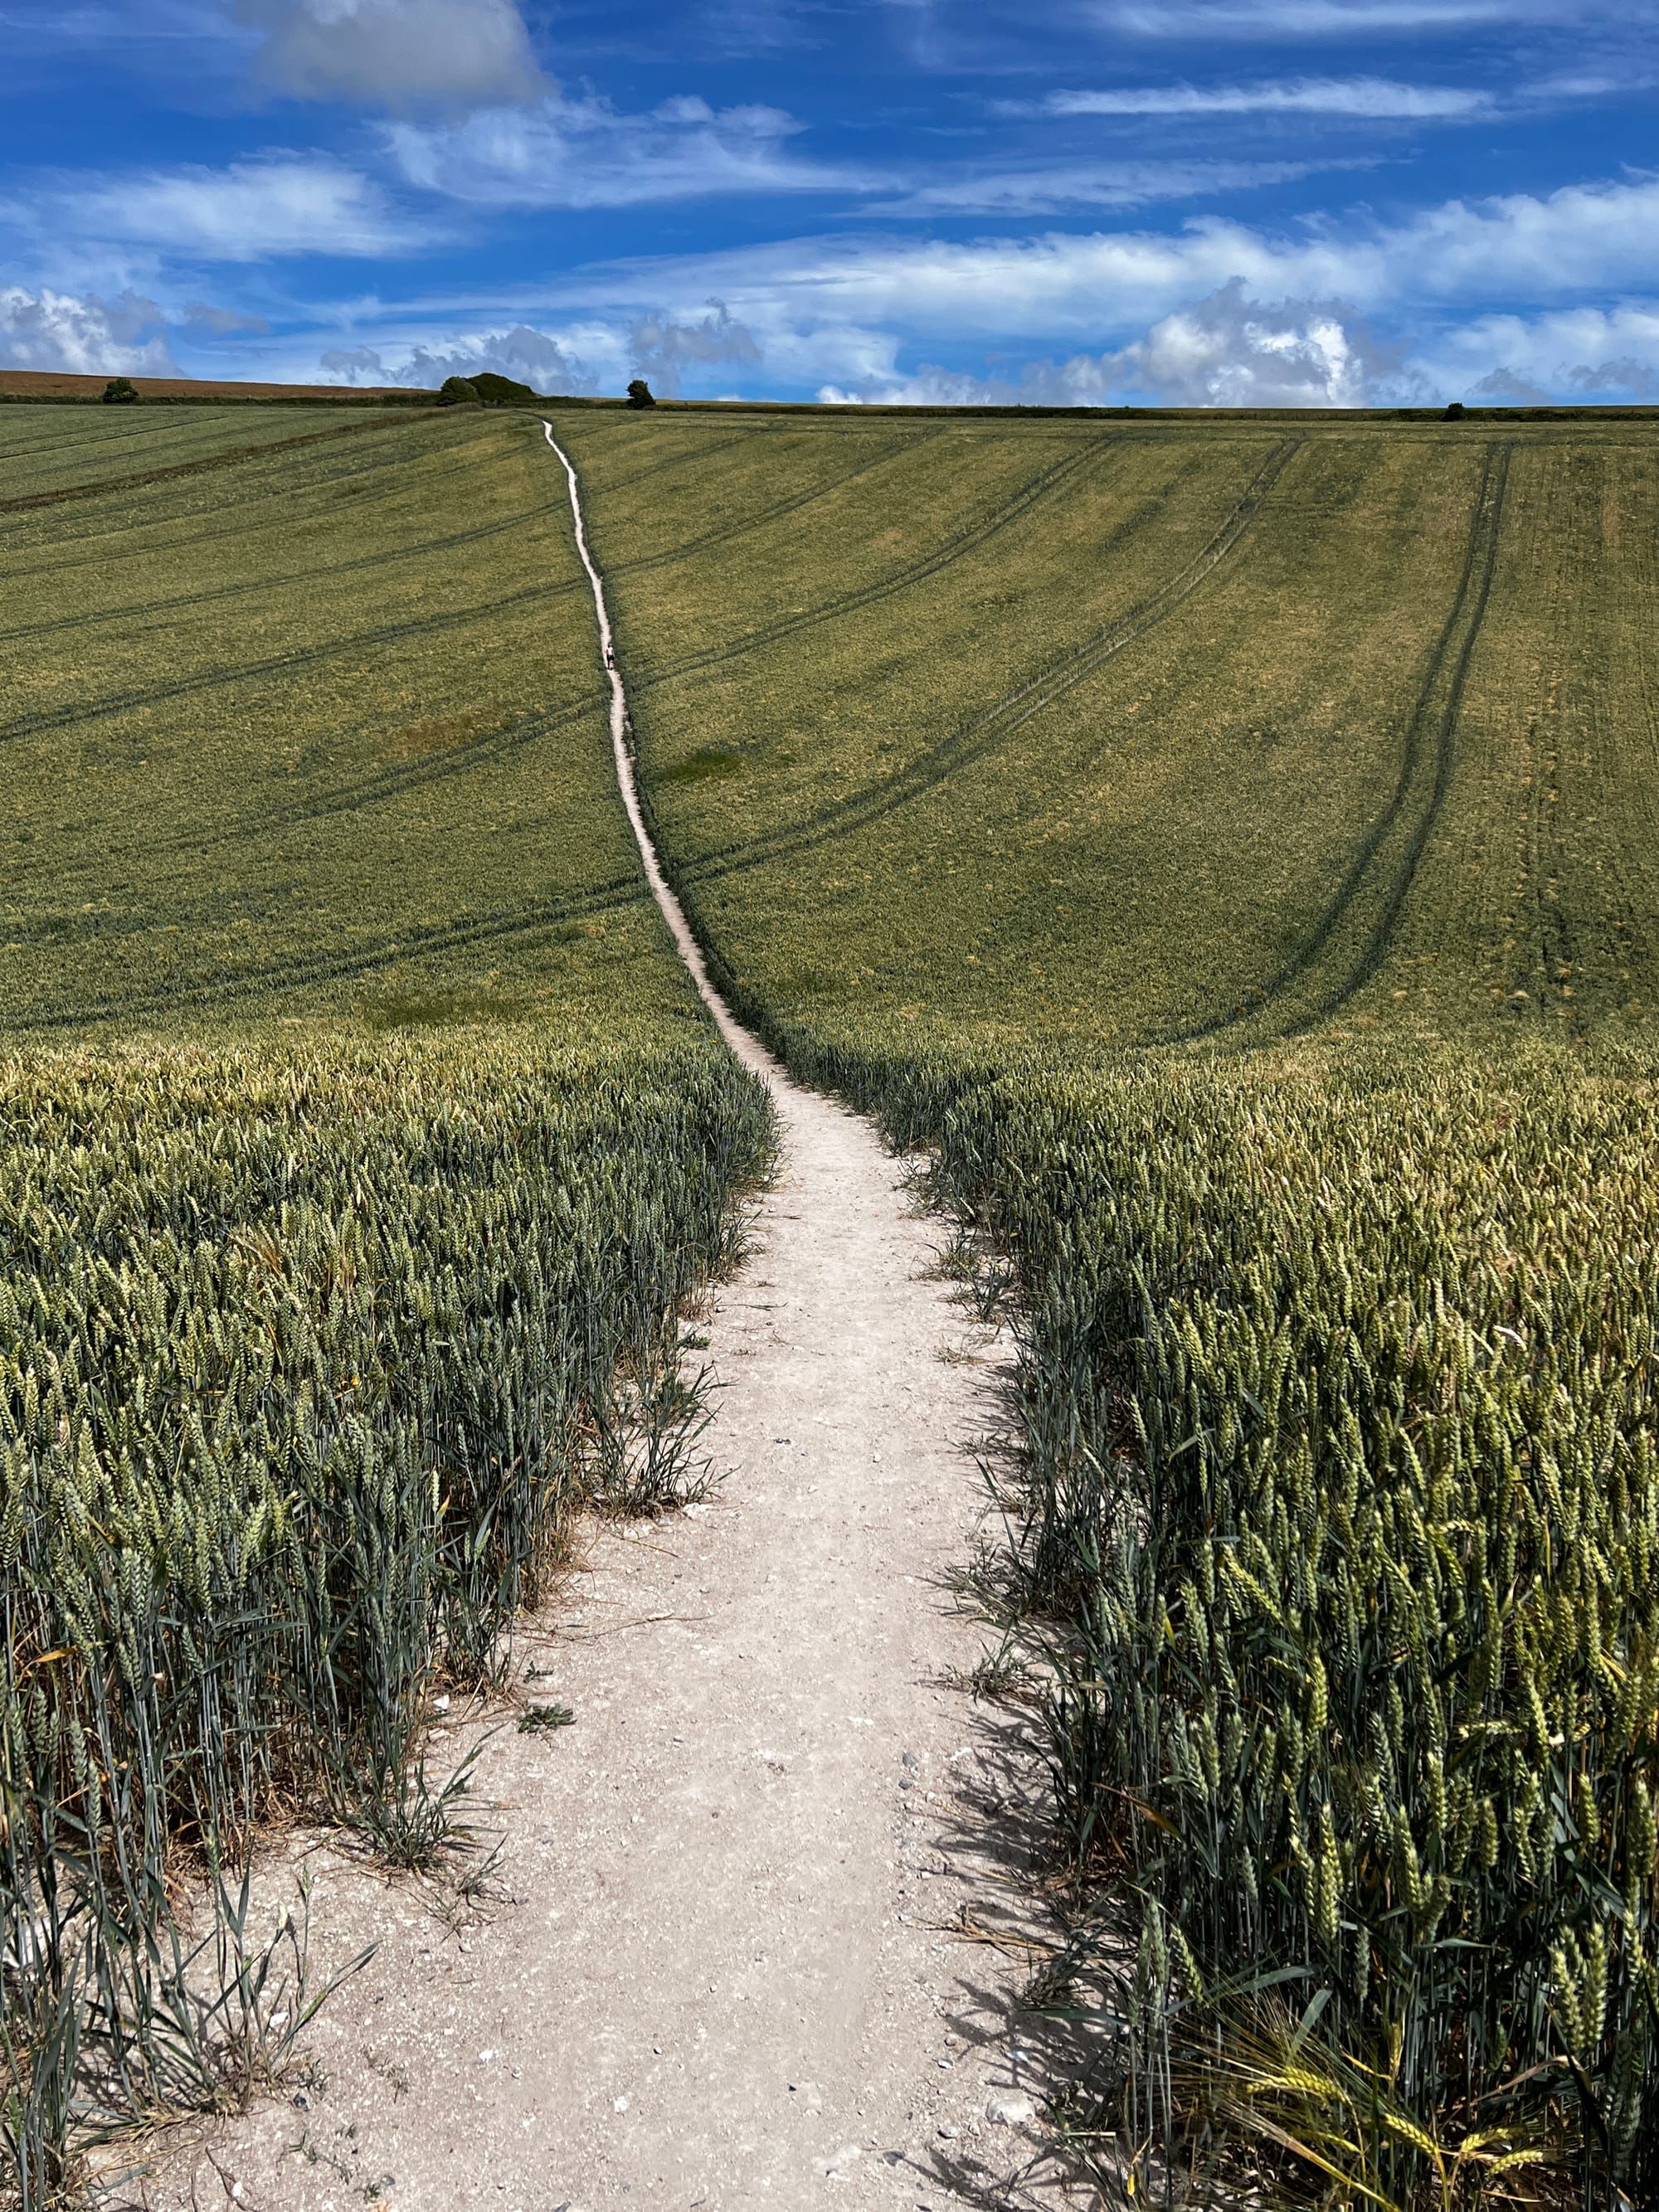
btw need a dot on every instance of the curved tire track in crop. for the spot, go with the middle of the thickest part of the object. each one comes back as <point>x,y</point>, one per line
<point>394,782</point>
<point>322,489</point>
<point>1015,709</point>
<point>416,550</point>
<point>72,715</point>
<point>966,540</point>
<point>226,460</point>
<point>94,710</point>
<point>416,943</point>
<point>1430,738</point>
<point>903,443</point>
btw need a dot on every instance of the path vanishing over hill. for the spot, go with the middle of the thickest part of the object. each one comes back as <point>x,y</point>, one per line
<point>721,1963</point>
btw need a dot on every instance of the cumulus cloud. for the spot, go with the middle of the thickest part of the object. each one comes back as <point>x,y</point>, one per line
<point>355,365</point>
<point>1572,353</point>
<point>662,347</point>
<point>529,356</point>
<point>1503,385</point>
<point>1627,378</point>
<point>84,335</point>
<point>256,210</point>
<point>584,154</point>
<point>395,52</point>
<point>1229,351</point>
<point>1371,98</point>
<point>1223,351</point>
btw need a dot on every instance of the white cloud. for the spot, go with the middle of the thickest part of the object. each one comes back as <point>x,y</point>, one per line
<point>224,322</point>
<point>1089,184</point>
<point>1620,380</point>
<point>1508,389</point>
<point>1370,98</point>
<point>458,52</point>
<point>583,154</point>
<point>1583,240</point>
<point>1215,308</point>
<point>355,365</point>
<point>661,347</point>
<point>1223,351</point>
<point>530,356</point>
<point>85,335</point>
<point>283,203</point>
<point>1229,351</point>
<point>1277,20</point>
<point>1572,353</point>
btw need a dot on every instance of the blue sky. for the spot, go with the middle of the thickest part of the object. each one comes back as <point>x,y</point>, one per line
<point>1179,202</point>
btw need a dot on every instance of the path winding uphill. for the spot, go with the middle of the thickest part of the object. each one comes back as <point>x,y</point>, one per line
<point>721,1969</point>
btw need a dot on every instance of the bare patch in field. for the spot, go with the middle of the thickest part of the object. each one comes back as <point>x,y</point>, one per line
<point>438,734</point>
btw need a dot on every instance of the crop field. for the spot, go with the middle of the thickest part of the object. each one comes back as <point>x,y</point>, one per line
<point>361,1141</point>
<point>1228,846</point>
<point>1232,730</point>
<point>48,454</point>
<point>315,729</point>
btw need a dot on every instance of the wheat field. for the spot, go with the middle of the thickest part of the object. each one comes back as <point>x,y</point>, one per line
<point>1224,846</point>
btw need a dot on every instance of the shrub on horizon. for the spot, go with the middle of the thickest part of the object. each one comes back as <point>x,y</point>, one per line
<point>121,391</point>
<point>501,391</point>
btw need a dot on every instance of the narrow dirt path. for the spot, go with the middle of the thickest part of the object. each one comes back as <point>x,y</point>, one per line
<point>721,1962</point>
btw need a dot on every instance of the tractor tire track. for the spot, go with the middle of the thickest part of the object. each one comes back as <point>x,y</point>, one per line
<point>902,444</point>
<point>1431,732</point>
<point>226,460</point>
<point>325,489</point>
<point>416,943</point>
<point>1059,472</point>
<point>83,711</point>
<point>1014,709</point>
<point>220,593</point>
<point>184,687</point>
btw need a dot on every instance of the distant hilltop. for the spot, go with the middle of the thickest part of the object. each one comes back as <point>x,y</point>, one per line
<point>55,384</point>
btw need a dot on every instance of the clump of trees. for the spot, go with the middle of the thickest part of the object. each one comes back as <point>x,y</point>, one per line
<point>639,393</point>
<point>484,388</point>
<point>501,391</point>
<point>121,391</point>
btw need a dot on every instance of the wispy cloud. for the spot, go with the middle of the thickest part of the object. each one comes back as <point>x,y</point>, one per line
<point>223,322</point>
<point>1279,21</point>
<point>1053,191</point>
<point>1368,98</point>
<point>585,154</point>
<point>278,206</point>
<point>1583,240</point>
